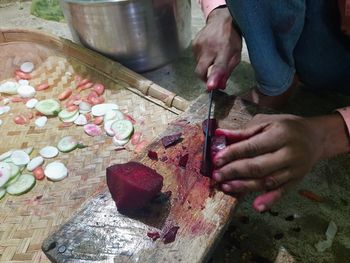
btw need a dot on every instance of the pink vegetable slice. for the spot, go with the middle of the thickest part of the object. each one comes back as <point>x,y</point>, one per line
<point>171,139</point>
<point>92,130</point>
<point>133,185</point>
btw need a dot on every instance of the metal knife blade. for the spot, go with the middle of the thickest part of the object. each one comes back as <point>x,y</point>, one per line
<point>207,164</point>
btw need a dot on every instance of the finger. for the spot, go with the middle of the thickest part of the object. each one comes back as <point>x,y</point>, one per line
<point>256,167</point>
<point>243,186</point>
<point>218,74</point>
<point>233,136</point>
<point>202,66</point>
<point>265,201</point>
<point>278,178</point>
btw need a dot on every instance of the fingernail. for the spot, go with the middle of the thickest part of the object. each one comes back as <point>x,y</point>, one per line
<point>261,207</point>
<point>217,176</point>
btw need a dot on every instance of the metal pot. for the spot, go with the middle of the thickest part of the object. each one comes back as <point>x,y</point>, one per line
<point>140,34</point>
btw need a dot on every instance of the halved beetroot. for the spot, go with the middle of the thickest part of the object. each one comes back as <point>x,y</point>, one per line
<point>171,139</point>
<point>152,155</point>
<point>213,125</point>
<point>133,185</point>
<point>170,236</point>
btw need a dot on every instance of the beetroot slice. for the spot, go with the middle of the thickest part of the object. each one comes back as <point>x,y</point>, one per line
<point>152,155</point>
<point>153,235</point>
<point>183,160</point>
<point>170,236</point>
<point>133,185</point>
<point>213,126</point>
<point>171,139</point>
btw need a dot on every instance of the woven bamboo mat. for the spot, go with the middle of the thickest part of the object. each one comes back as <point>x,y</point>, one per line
<point>25,221</point>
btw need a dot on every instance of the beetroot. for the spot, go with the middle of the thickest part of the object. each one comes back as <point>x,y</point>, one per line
<point>153,235</point>
<point>170,236</point>
<point>213,125</point>
<point>183,160</point>
<point>171,139</point>
<point>133,185</point>
<point>218,143</point>
<point>152,155</point>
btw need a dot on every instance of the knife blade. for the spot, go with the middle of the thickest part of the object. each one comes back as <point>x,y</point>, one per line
<point>207,164</point>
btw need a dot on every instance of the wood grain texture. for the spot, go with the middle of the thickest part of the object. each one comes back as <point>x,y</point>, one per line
<point>99,233</point>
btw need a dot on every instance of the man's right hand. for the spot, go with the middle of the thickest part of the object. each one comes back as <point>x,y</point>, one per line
<point>217,44</point>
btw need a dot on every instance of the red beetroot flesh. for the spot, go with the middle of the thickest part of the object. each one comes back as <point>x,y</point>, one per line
<point>152,155</point>
<point>218,143</point>
<point>171,139</point>
<point>133,185</point>
<point>170,236</point>
<point>153,235</point>
<point>213,126</point>
<point>183,160</point>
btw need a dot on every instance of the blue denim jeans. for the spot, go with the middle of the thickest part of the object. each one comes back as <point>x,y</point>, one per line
<point>285,37</point>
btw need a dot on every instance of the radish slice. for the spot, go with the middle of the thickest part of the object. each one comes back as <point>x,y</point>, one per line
<point>6,155</point>
<point>23,184</point>
<point>117,142</point>
<point>48,107</point>
<point>107,126</point>
<point>20,157</point>
<point>49,152</point>
<point>5,172</point>
<point>122,129</point>
<point>26,91</point>
<point>31,103</point>
<point>81,120</point>
<point>113,115</point>
<point>92,130</point>
<point>56,171</point>
<point>27,67</point>
<point>23,82</point>
<point>28,150</point>
<point>102,109</point>
<point>34,163</point>
<point>9,87</point>
<point>41,121</point>
<point>2,193</point>
<point>67,144</point>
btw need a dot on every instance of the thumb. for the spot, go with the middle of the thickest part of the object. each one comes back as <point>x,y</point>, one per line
<point>217,77</point>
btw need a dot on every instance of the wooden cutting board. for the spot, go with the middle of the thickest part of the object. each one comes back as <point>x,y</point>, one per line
<point>97,232</point>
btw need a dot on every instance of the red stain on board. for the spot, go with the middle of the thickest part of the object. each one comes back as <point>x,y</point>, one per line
<point>311,196</point>
<point>152,155</point>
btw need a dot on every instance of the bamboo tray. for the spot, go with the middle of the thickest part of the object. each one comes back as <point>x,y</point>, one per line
<point>26,220</point>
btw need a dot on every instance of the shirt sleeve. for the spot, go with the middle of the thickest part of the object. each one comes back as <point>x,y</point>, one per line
<point>345,113</point>
<point>209,5</point>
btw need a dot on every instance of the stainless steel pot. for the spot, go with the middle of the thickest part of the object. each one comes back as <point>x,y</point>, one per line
<point>140,34</point>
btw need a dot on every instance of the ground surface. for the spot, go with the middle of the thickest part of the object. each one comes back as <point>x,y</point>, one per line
<point>295,224</point>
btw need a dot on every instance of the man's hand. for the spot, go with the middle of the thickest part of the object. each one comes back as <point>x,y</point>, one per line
<point>217,44</point>
<point>276,151</point>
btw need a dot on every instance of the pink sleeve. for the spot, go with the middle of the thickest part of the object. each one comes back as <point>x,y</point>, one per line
<point>345,113</point>
<point>209,5</point>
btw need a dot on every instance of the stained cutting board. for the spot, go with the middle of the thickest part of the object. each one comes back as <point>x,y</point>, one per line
<point>97,232</point>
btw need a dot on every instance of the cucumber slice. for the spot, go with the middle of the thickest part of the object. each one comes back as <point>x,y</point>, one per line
<point>14,170</point>
<point>24,184</point>
<point>5,155</point>
<point>28,150</point>
<point>122,129</point>
<point>34,163</point>
<point>117,142</point>
<point>107,126</point>
<point>5,173</point>
<point>11,181</point>
<point>67,144</point>
<point>56,171</point>
<point>26,91</point>
<point>64,114</point>
<point>101,109</point>
<point>73,118</point>
<point>2,193</point>
<point>113,115</point>
<point>9,87</point>
<point>49,152</point>
<point>48,107</point>
<point>20,157</point>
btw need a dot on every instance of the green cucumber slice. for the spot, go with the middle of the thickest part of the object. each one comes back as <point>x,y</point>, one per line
<point>67,144</point>
<point>73,118</point>
<point>14,170</point>
<point>64,114</point>
<point>122,129</point>
<point>24,184</point>
<point>2,193</point>
<point>6,155</point>
<point>48,107</point>
<point>113,115</point>
<point>28,150</point>
<point>5,173</point>
<point>12,180</point>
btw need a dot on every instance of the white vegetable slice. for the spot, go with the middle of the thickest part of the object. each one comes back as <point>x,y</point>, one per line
<point>14,170</point>
<point>102,109</point>
<point>6,155</point>
<point>5,173</point>
<point>41,121</point>
<point>85,107</point>
<point>117,142</point>
<point>48,107</point>
<point>0,122</point>
<point>23,82</point>
<point>73,118</point>
<point>67,144</point>
<point>122,129</point>
<point>49,152</point>
<point>56,171</point>
<point>113,115</point>
<point>24,183</point>
<point>9,87</point>
<point>2,193</point>
<point>20,157</point>
<point>34,163</point>
<point>30,104</point>
<point>27,67</point>
<point>12,180</point>
<point>4,109</point>
<point>64,114</point>
<point>107,126</point>
<point>92,130</point>
<point>81,120</point>
<point>26,91</point>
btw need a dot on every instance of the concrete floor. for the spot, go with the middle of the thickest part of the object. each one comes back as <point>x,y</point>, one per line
<point>295,224</point>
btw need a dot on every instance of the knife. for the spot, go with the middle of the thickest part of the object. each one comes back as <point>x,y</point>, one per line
<point>207,164</point>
